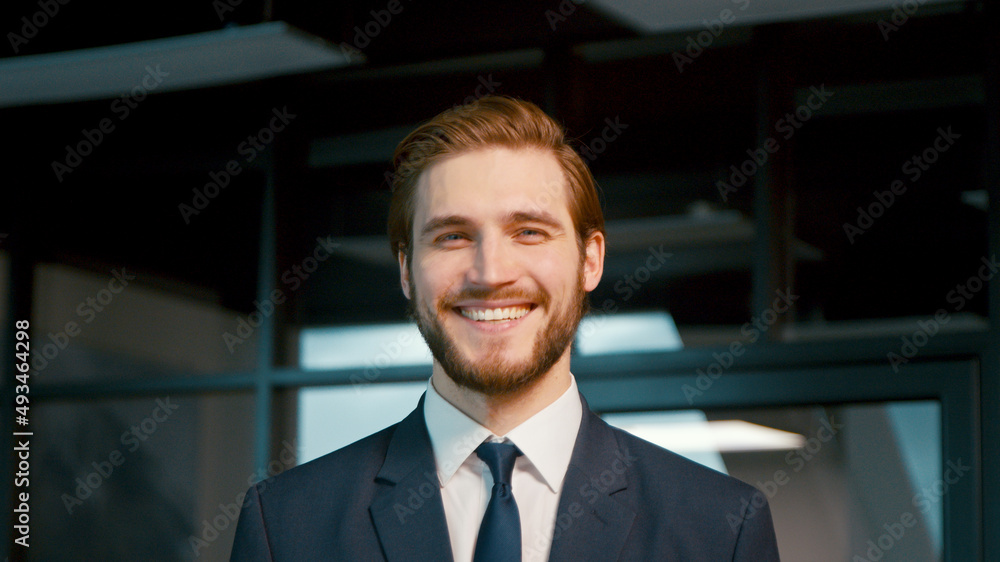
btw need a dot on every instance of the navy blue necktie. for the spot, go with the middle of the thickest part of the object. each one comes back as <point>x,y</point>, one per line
<point>500,532</point>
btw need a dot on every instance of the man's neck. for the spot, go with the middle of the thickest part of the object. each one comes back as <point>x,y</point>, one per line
<point>501,414</point>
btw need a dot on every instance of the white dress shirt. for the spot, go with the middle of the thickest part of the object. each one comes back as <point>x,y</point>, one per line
<point>546,441</point>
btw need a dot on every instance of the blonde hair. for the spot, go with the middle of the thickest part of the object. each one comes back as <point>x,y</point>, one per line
<point>491,121</point>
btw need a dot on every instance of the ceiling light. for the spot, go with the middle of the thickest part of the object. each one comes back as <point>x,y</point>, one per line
<point>724,436</point>
<point>213,58</point>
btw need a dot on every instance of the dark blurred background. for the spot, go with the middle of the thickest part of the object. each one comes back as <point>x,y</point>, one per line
<point>170,166</point>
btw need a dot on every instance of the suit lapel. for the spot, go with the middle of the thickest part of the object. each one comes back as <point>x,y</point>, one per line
<point>594,515</point>
<point>407,509</point>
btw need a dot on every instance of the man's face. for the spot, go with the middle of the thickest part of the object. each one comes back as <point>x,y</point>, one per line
<point>497,281</point>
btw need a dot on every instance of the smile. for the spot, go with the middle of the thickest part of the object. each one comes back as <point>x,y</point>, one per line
<point>495,314</point>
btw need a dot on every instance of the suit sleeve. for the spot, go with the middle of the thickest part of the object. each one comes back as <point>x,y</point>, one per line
<point>757,541</point>
<point>251,543</point>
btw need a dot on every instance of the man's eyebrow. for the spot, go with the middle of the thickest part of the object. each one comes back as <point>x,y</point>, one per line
<point>438,223</point>
<point>542,217</point>
<point>514,217</point>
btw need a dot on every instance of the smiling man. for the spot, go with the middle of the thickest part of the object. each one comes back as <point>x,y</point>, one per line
<point>498,230</point>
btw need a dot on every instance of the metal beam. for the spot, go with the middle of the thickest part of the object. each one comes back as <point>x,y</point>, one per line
<point>266,274</point>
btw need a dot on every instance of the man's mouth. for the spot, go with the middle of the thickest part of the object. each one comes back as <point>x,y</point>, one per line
<point>504,314</point>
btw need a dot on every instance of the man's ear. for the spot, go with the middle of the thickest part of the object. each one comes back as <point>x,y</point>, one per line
<point>593,261</point>
<point>404,273</point>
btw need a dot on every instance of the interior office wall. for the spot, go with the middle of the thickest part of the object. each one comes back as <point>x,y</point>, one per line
<point>159,473</point>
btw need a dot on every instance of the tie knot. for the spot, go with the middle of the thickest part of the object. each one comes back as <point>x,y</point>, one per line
<point>500,458</point>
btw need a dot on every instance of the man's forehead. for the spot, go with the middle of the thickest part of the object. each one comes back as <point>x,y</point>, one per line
<point>519,177</point>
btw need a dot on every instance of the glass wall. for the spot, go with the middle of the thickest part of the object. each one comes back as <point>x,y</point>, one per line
<point>842,480</point>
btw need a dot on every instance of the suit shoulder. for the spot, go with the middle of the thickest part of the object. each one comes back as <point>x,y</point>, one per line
<point>358,462</point>
<point>690,510</point>
<point>318,509</point>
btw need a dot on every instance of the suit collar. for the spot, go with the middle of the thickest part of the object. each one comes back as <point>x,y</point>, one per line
<point>595,509</point>
<point>407,509</point>
<point>592,522</point>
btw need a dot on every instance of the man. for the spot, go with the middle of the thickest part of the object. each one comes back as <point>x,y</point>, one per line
<point>497,227</point>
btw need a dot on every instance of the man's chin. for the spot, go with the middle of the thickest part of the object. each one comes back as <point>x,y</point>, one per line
<point>504,365</point>
<point>496,385</point>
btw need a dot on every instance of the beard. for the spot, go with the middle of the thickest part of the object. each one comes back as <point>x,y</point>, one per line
<point>494,375</point>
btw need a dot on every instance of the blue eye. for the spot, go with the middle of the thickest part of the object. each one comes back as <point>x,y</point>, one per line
<point>451,239</point>
<point>532,235</point>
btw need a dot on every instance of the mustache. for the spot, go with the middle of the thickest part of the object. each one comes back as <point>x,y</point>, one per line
<point>539,296</point>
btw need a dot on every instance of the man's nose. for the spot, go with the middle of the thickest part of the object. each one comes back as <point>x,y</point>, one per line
<point>495,263</point>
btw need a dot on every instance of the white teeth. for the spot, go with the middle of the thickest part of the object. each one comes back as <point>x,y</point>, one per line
<point>495,314</point>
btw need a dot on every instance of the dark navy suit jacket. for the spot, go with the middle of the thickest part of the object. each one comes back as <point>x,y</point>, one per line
<point>623,499</point>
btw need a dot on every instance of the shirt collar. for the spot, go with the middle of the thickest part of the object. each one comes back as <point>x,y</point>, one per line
<point>546,439</point>
<point>454,435</point>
